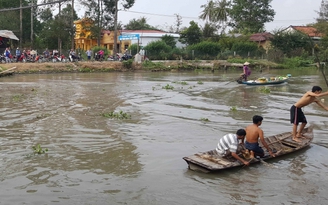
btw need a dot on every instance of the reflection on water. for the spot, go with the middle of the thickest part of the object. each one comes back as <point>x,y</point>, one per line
<point>96,160</point>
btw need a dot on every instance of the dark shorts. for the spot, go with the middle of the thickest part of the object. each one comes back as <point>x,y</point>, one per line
<point>89,57</point>
<point>255,147</point>
<point>297,115</point>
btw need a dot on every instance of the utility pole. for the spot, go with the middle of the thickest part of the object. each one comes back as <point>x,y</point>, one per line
<point>59,39</point>
<point>115,28</point>
<point>73,43</point>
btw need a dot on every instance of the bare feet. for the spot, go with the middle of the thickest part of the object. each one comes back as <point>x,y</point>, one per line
<point>296,139</point>
<point>252,154</point>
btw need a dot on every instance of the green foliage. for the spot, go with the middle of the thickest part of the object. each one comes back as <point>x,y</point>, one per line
<point>250,16</point>
<point>117,115</point>
<point>204,119</point>
<point>296,62</point>
<point>158,50</point>
<point>233,108</point>
<point>128,64</point>
<point>206,48</point>
<point>134,48</point>
<point>168,87</point>
<point>244,47</point>
<point>39,150</point>
<point>200,82</point>
<point>139,24</point>
<point>191,35</point>
<point>288,42</point>
<point>152,65</point>
<point>169,40</point>
<point>181,82</point>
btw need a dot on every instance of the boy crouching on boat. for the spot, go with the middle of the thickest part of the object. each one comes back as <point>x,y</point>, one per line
<point>254,133</point>
<point>229,145</point>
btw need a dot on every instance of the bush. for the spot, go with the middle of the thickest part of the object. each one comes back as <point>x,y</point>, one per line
<point>128,64</point>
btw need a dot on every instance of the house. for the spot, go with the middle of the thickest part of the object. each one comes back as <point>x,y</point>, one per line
<point>307,30</point>
<point>147,36</point>
<point>83,39</point>
<point>262,39</point>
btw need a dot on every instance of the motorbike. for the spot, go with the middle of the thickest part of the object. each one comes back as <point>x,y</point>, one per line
<point>75,58</point>
<point>126,57</point>
<point>60,58</point>
<point>99,57</point>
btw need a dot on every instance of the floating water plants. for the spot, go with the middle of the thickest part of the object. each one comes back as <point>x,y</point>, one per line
<point>168,87</point>
<point>118,115</point>
<point>233,108</point>
<point>204,119</point>
<point>39,150</point>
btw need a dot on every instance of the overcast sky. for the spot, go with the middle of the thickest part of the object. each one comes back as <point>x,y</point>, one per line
<point>161,13</point>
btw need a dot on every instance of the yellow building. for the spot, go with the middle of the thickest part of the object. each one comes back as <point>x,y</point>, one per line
<point>83,39</point>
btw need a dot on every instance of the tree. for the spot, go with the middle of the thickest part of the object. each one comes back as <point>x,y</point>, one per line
<point>139,24</point>
<point>191,35</point>
<point>216,12</point>
<point>169,40</point>
<point>209,31</point>
<point>288,42</point>
<point>251,15</point>
<point>322,21</point>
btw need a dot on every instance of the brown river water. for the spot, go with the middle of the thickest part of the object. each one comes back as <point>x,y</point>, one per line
<point>96,160</point>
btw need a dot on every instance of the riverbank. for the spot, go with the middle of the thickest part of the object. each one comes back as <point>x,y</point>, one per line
<point>109,66</point>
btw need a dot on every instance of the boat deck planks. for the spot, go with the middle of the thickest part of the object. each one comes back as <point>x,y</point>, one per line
<point>281,143</point>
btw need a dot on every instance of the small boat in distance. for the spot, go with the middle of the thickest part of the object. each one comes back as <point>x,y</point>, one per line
<point>265,81</point>
<point>282,144</point>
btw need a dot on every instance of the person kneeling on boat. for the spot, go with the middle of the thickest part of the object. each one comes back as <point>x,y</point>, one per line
<point>229,145</point>
<point>253,134</point>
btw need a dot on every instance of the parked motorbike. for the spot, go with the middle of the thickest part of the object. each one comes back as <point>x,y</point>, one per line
<point>60,58</point>
<point>126,57</point>
<point>75,58</point>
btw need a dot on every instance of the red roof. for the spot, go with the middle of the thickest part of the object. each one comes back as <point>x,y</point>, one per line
<point>259,37</point>
<point>308,30</point>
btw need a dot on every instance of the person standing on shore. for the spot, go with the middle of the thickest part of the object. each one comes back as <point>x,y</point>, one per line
<point>89,53</point>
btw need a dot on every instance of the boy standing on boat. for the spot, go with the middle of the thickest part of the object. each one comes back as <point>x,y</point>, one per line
<point>296,113</point>
<point>254,133</point>
<point>228,145</point>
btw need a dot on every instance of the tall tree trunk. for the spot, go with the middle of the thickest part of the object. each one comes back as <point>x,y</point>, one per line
<point>32,11</point>
<point>20,25</point>
<point>59,39</point>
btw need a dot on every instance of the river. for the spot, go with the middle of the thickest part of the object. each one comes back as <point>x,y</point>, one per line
<point>92,159</point>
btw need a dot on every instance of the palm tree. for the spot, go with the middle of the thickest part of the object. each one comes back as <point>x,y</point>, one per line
<point>216,12</point>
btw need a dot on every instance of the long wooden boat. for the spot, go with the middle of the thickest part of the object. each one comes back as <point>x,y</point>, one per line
<point>282,144</point>
<point>272,81</point>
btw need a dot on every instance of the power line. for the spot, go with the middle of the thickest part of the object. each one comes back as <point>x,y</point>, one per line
<point>25,7</point>
<point>138,12</point>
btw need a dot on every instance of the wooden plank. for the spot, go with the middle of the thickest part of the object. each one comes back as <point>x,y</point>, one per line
<point>6,71</point>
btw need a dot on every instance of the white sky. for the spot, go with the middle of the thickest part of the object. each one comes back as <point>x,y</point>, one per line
<point>161,13</point>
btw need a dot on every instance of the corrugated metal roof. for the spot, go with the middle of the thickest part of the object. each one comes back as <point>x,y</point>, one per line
<point>259,37</point>
<point>8,34</point>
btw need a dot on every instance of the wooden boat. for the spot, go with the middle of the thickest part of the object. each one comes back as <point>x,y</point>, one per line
<point>282,144</point>
<point>7,72</point>
<point>265,81</point>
